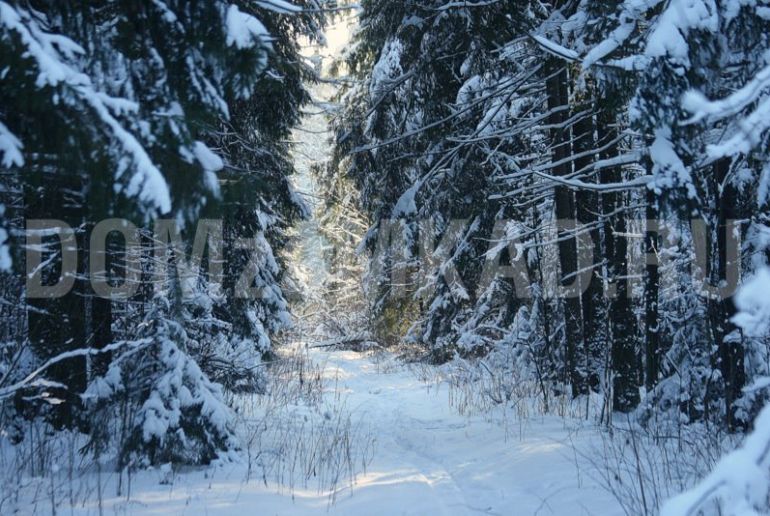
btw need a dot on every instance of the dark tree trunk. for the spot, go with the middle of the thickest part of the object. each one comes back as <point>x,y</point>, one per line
<point>58,325</point>
<point>564,205</point>
<point>592,299</point>
<point>651,289</point>
<point>622,323</point>
<point>728,337</point>
<point>80,319</point>
<point>99,310</point>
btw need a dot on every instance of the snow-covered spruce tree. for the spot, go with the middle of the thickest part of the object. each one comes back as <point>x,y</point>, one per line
<point>117,108</point>
<point>111,102</point>
<point>714,47</point>
<point>228,331</point>
<point>738,484</point>
<point>735,132</point>
<point>156,404</point>
<point>429,82</point>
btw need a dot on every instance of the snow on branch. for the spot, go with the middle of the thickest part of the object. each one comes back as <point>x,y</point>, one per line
<point>555,49</point>
<point>667,38</point>
<point>245,31</point>
<point>609,45</point>
<point>464,5</point>
<point>576,184</point>
<point>668,168</point>
<point>148,183</point>
<point>749,134</point>
<point>32,379</point>
<point>46,50</point>
<point>279,6</point>
<point>10,148</point>
<point>701,107</point>
<point>754,304</point>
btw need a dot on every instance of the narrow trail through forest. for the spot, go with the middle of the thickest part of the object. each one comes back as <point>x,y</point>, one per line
<point>431,460</point>
<point>428,459</point>
<point>412,452</point>
<point>421,456</point>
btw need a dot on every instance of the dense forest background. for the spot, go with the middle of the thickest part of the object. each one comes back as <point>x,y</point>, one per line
<point>553,179</point>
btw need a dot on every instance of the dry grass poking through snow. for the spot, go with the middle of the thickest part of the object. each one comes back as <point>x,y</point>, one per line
<point>639,466</point>
<point>301,435</point>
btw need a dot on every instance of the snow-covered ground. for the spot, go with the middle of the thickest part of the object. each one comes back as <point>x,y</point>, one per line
<point>430,460</point>
<point>427,460</point>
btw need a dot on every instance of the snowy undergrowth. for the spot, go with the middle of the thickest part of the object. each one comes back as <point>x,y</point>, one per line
<point>645,466</point>
<point>508,389</point>
<point>640,466</point>
<point>299,435</point>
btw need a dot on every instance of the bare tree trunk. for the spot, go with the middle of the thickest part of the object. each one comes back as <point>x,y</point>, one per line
<point>57,325</point>
<point>728,337</point>
<point>592,299</point>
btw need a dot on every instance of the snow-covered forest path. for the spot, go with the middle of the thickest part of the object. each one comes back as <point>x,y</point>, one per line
<point>426,459</point>
<point>429,459</point>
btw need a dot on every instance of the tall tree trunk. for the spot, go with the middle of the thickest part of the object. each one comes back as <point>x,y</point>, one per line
<point>564,205</point>
<point>728,337</point>
<point>592,298</point>
<point>623,326</point>
<point>57,325</point>
<point>79,319</point>
<point>98,315</point>
<point>651,289</point>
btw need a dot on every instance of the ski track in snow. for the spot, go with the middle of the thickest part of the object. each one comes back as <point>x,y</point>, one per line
<point>438,462</point>
<point>428,460</point>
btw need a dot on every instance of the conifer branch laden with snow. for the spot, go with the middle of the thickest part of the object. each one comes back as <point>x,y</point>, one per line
<point>137,111</point>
